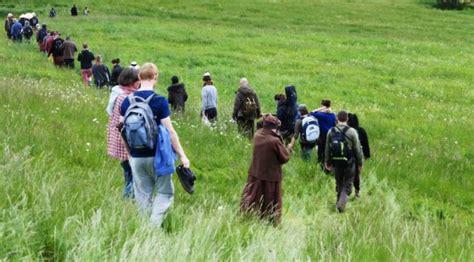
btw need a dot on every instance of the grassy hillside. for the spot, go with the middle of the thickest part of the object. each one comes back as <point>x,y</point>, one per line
<point>405,68</point>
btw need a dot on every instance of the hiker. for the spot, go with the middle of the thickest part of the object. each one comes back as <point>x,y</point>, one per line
<point>246,108</point>
<point>9,21</point>
<point>343,154</point>
<point>48,41</point>
<point>209,99</point>
<point>86,11</point>
<point>128,83</point>
<point>52,12</point>
<point>69,50</point>
<point>34,21</point>
<point>287,111</point>
<point>74,10</point>
<point>145,179</point>
<point>56,50</point>
<point>100,72</point>
<point>116,70</point>
<point>16,31</point>
<point>262,192</point>
<point>327,120</point>
<point>177,95</point>
<point>364,142</point>
<point>27,31</point>
<point>40,35</point>
<point>307,130</point>
<point>86,57</point>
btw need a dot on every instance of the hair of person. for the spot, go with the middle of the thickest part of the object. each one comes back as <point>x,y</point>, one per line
<point>279,97</point>
<point>353,120</point>
<point>244,81</point>
<point>303,111</point>
<point>127,77</point>
<point>148,71</point>
<point>44,26</point>
<point>85,46</point>
<point>342,116</point>
<point>326,103</point>
<point>174,80</point>
<point>98,58</point>
<point>68,38</point>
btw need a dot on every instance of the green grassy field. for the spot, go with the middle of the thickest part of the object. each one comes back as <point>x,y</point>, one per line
<point>405,68</point>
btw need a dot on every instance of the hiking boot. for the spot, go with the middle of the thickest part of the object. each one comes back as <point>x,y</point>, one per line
<point>357,195</point>
<point>340,207</point>
<point>186,178</point>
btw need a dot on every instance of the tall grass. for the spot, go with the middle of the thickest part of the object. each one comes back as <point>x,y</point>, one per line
<point>400,66</point>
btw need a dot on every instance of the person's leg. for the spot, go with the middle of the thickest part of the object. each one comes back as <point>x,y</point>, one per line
<point>163,200</point>
<point>128,179</point>
<point>345,186</point>
<point>357,182</point>
<point>85,78</point>
<point>305,152</point>
<point>144,182</point>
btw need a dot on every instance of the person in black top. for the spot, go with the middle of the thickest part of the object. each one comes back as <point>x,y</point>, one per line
<point>364,142</point>
<point>116,70</point>
<point>101,73</point>
<point>56,50</point>
<point>52,12</point>
<point>177,95</point>
<point>74,10</point>
<point>86,57</point>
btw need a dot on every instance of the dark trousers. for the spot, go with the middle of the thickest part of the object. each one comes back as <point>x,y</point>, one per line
<point>211,114</point>
<point>321,148</point>
<point>306,150</point>
<point>357,180</point>
<point>127,174</point>
<point>246,127</point>
<point>344,180</point>
<point>69,63</point>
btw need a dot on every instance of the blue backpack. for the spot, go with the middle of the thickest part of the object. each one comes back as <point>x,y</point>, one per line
<point>165,156</point>
<point>140,129</point>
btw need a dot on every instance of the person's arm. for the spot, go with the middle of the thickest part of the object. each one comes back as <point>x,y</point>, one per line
<point>298,126</point>
<point>175,142</point>
<point>237,105</point>
<point>259,110</point>
<point>283,154</point>
<point>327,164</point>
<point>356,147</point>
<point>364,141</point>
<point>203,98</point>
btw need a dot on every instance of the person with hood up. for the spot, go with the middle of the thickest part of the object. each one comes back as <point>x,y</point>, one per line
<point>246,108</point>
<point>364,143</point>
<point>9,21</point>
<point>263,193</point>
<point>177,95</point>
<point>16,31</point>
<point>128,83</point>
<point>287,111</point>
<point>27,31</point>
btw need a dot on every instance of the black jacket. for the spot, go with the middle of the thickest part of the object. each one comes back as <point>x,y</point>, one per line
<point>115,75</point>
<point>86,57</point>
<point>177,96</point>
<point>364,139</point>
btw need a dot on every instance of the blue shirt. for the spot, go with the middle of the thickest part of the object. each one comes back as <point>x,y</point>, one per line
<point>326,121</point>
<point>159,106</point>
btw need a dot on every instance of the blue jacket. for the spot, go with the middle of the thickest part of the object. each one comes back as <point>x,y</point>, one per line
<point>16,29</point>
<point>326,122</point>
<point>165,156</point>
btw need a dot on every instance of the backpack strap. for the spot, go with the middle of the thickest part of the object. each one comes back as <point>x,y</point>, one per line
<point>343,131</point>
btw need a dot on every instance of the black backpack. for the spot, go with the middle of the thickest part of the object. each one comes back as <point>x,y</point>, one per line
<point>340,153</point>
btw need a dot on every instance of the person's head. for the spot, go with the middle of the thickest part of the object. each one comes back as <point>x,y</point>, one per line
<point>353,120</point>
<point>244,82</point>
<point>206,78</point>
<point>116,61</point>
<point>326,103</point>
<point>342,117</point>
<point>85,46</point>
<point>68,38</point>
<point>98,59</point>
<point>74,5</point>
<point>44,26</point>
<point>128,77</point>
<point>10,16</point>
<point>174,80</point>
<point>279,97</point>
<point>303,109</point>
<point>27,23</point>
<point>148,72</point>
<point>271,122</point>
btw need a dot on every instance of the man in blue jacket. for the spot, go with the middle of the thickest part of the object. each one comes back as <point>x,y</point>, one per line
<point>326,120</point>
<point>16,31</point>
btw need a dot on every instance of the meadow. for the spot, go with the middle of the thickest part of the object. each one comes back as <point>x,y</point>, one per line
<point>404,67</point>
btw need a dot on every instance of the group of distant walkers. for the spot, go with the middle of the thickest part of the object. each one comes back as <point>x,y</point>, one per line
<point>141,136</point>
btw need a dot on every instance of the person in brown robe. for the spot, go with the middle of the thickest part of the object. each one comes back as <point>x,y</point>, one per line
<point>262,193</point>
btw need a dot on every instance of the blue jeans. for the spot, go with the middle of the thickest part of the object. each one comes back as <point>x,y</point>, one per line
<point>306,150</point>
<point>145,182</point>
<point>127,174</point>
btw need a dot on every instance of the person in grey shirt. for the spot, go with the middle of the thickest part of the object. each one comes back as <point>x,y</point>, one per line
<point>209,98</point>
<point>344,173</point>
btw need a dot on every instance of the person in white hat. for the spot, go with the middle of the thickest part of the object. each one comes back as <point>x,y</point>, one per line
<point>134,65</point>
<point>8,25</point>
